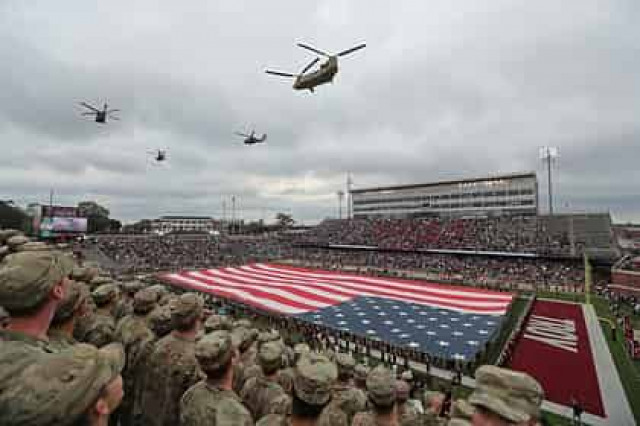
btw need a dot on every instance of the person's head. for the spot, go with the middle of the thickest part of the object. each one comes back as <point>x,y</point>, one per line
<point>33,281</point>
<point>216,356</point>
<point>186,312</point>
<point>242,338</point>
<point>402,391</point>
<point>361,372</point>
<point>217,322</point>
<point>461,413</point>
<point>505,396</point>
<point>314,375</point>
<point>346,365</point>
<point>105,295</point>
<point>80,386</point>
<point>299,350</point>
<point>160,321</point>
<point>73,305</point>
<point>144,301</point>
<point>381,389</point>
<point>130,288</point>
<point>270,357</point>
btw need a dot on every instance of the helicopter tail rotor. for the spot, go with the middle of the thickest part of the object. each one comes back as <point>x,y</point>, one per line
<point>353,49</point>
<point>313,49</point>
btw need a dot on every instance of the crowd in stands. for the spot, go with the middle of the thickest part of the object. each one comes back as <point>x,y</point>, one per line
<point>629,263</point>
<point>529,234</point>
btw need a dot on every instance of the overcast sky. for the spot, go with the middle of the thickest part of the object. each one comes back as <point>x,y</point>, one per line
<point>445,89</point>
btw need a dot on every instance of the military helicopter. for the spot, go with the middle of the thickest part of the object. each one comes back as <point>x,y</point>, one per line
<point>251,139</point>
<point>324,74</point>
<point>160,155</point>
<point>101,115</point>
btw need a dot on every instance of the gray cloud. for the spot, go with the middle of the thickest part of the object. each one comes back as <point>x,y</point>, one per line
<point>442,91</point>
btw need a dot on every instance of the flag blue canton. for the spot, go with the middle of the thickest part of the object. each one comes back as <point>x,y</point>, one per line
<point>437,331</point>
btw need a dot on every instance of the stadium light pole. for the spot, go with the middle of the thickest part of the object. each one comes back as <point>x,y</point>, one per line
<point>349,187</point>
<point>340,194</point>
<point>548,154</point>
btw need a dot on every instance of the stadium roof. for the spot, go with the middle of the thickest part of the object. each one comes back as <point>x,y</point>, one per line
<point>447,182</point>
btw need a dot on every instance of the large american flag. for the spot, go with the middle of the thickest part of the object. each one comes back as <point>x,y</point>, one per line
<point>449,321</point>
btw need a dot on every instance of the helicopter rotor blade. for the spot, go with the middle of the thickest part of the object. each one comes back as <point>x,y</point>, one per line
<point>308,67</point>
<point>113,110</point>
<point>114,118</point>
<point>88,113</point>
<point>313,49</point>
<point>242,134</point>
<point>281,74</point>
<point>353,49</point>
<point>86,105</point>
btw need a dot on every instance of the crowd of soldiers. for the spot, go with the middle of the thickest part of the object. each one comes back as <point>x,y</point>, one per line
<point>80,348</point>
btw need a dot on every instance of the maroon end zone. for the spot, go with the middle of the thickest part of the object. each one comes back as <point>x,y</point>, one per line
<point>554,348</point>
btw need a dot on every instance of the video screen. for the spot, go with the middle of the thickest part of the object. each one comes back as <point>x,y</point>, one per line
<point>51,225</point>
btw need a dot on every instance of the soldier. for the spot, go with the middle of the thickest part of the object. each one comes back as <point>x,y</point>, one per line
<point>79,386</point>
<point>344,395</point>
<point>217,322</point>
<point>242,340</point>
<point>505,397</point>
<point>101,331</point>
<point>172,367</point>
<point>314,376</point>
<point>262,394</point>
<point>382,396</point>
<point>212,401</point>
<point>32,284</point>
<point>461,413</point>
<point>72,307</point>
<point>160,321</point>
<point>406,412</point>
<point>124,306</point>
<point>361,372</point>
<point>137,339</point>
<point>285,378</point>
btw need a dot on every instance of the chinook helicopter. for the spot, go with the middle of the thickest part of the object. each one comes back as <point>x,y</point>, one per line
<point>101,115</point>
<point>251,139</point>
<point>160,155</point>
<point>324,74</point>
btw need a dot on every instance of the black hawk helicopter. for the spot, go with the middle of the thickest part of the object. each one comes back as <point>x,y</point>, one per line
<point>101,115</point>
<point>322,75</point>
<point>251,139</point>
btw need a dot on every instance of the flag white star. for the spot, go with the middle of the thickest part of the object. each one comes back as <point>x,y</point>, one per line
<point>388,322</point>
<point>443,343</point>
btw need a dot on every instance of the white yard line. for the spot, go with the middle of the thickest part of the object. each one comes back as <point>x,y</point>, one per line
<point>616,405</point>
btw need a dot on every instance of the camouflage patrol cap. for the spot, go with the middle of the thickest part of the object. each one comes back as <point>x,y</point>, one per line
<point>331,354</point>
<point>83,274</point>
<point>186,309</point>
<point>144,301</point>
<point>33,246</point>
<point>61,387</point>
<point>99,280</point>
<point>4,250</point>
<point>510,394</point>
<point>313,377</point>
<point>407,376</point>
<point>381,386</point>
<point>217,322</point>
<point>361,372</point>
<point>4,316</point>
<point>461,412</point>
<point>242,338</point>
<point>160,290</point>
<point>301,348</point>
<point>160,321</point>
<point>5,234</point>
<point>17,240</point>
<point>402,390</point>
<point>268,336</point>
<point>270,356</point>
<point>105,294</point>
<point>26,278</point>
<point>131,287</point>
<point>346,363</point>
<point>75,295</point>
<point>244,322</point>
<point>214,350</point>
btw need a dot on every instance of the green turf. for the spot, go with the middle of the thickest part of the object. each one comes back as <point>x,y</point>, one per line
<point>628,369</point>
<point>517,309</point>
<point>569,297</point>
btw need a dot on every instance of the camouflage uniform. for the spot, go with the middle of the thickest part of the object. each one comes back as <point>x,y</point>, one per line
<point>60,388</point>
<point>172,367</point>
<point>138,340</point>
<point>262,395</point>
<point>346,397</point>
<point>207,404</point>
<point>102,328</point>
<point>461,413</point>
<point>242,340</point>
<point>512,395</point>
<point>314,376</point>
<point>124,306</point>
<point>407,413</point>
<point>382,392</point>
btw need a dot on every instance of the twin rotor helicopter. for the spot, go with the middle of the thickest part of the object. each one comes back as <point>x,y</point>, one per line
<point>303,81</point>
